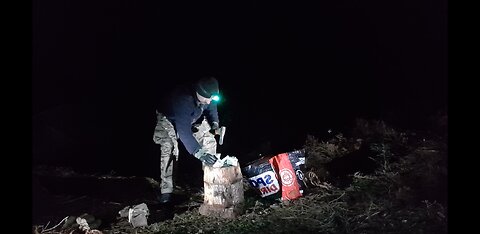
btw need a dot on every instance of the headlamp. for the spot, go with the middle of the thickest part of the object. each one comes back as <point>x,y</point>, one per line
<point>216,97</point>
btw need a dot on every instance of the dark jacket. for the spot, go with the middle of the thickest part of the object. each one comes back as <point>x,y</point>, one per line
<point>182,109</point>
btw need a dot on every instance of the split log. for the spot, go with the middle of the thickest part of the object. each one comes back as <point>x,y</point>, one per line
<point>223,192</point>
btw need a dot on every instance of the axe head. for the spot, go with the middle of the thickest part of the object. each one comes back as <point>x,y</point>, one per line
<point>221,133</point>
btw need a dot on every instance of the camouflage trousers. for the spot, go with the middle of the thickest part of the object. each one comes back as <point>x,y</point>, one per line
<point>166,136</point>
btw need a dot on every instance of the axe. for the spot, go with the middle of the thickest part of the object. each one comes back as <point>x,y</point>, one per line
<point>221,132</point>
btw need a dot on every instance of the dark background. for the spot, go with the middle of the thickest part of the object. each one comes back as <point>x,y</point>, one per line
<point>286,69</point>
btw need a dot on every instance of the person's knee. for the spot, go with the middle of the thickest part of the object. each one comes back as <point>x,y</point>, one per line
<point>158,136</point>
<point>166,148</point>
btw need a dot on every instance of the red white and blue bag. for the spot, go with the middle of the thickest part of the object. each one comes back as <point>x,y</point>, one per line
<point>262,177</point>
<point>279,176</point>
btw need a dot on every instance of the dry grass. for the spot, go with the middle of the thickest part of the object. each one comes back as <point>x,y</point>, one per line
<point>396,198</point>
<point>405,194</point>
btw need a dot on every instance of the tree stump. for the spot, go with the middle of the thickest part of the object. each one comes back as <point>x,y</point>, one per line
<point>223,192</point>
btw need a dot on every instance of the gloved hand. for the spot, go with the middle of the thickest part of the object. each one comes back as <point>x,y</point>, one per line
<point>205,157</point>
<point>214,128</point>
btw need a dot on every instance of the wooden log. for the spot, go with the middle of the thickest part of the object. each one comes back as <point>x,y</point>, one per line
<point>223,192</point>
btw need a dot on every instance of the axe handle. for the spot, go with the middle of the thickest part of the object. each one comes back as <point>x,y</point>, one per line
<point>222,135</point>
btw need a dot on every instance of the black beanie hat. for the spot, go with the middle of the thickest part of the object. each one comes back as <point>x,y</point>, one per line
<point>207,86</point>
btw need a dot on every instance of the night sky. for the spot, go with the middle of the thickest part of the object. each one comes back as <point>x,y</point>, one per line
<point>286,69</point>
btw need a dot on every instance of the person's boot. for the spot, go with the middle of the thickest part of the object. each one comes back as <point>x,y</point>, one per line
<point>165,198</point>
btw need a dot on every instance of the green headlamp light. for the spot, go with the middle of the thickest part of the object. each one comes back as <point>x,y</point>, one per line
<point>216,97</point>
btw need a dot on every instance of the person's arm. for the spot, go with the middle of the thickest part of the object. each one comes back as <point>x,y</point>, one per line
<point>181,111</point>
<point>212,115</point>
<point>184,129</point>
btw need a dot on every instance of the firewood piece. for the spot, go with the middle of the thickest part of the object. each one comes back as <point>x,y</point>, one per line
<point>223,192</point>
